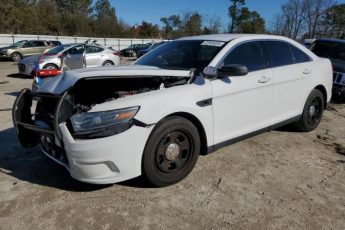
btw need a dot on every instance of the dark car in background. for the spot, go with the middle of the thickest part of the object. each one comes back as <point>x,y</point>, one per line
<point>154,45</point>
<point>133,50</point>
<point>334,49</point>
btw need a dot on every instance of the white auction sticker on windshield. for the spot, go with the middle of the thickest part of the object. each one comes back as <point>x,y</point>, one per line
<point>212,43</point>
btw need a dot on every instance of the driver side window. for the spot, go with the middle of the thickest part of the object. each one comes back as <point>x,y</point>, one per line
<point>249,54</point>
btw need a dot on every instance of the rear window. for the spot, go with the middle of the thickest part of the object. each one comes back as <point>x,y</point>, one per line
<point>93,49</point>
<point>299,55</point>
<point>279,53</point>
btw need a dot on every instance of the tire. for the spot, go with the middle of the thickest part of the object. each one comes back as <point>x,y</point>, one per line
<point>312,112</point>
<point>108,63</point>
<point>171,151</point>
<point>16,56</point>
<point>50,66</point>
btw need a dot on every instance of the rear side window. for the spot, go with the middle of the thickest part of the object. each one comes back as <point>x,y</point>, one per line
<point>248,54</point>
<point>93,49</point>
<point>299,55</point>
<point>279,53</point>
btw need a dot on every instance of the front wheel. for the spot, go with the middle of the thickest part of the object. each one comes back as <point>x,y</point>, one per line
<point>171,152</point>
<point>16,57</point>
<point>312,112</point>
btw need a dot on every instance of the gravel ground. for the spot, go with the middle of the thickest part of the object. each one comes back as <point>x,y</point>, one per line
<point>277,180</point>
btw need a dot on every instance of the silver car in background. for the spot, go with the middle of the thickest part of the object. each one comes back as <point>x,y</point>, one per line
<point>75,56</point>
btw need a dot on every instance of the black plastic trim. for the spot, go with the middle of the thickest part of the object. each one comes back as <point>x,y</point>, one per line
<point>215,147</point>
<point>205,103</point>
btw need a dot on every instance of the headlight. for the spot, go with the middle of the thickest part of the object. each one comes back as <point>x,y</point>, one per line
<point>93,121</point>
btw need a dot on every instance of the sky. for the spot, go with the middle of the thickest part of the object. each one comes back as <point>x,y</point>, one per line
<point>135,11</point>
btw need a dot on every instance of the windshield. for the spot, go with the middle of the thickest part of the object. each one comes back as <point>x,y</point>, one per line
<point>56,50</point>
<point>333,50</point>
<point>182,55</point>
<point>19,43</point>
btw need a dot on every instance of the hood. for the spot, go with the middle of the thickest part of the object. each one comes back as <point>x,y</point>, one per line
<point>8,47</point>
<point>338,65</point>
<point>30,59</point>
<point>59,84</point>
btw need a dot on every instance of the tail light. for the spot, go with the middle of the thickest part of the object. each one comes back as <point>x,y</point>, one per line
<point>48,73</point>
<point>117,53</point>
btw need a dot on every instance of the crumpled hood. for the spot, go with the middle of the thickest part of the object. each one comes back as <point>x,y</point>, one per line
<point>59,84</point>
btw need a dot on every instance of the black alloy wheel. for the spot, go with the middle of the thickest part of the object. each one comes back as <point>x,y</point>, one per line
<point>171,151</point>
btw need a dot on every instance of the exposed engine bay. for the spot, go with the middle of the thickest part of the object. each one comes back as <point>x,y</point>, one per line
<point>88,92</point>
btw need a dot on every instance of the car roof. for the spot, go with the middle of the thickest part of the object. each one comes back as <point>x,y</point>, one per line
<point>330,40</point>
<point>229,37</point>
<point>216,37</point>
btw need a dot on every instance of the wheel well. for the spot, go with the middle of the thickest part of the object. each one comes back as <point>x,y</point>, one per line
<point>45,66</point>
<point>323,91</point>
<point>199,126</point>
<point>108,61</point>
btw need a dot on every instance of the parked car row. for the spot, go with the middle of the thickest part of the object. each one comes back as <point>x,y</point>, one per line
<point>74,55</point>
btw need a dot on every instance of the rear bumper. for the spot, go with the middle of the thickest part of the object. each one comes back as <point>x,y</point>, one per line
<point>99,161</point>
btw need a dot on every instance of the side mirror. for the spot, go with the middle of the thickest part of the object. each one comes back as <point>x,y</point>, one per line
<point>233,70</point>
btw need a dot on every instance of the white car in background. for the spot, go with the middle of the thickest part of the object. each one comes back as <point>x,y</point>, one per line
<point>191,96</point>
<point>75,56</point>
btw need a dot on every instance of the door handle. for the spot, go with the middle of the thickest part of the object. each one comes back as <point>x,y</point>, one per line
<point>264,79</point>
<point>306,71</point>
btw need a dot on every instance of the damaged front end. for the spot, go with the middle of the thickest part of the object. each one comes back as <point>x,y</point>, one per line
<point>71,104</point>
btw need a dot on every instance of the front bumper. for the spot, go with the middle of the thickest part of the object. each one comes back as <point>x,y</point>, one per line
<point>26,69</point>
<point>99,161</point>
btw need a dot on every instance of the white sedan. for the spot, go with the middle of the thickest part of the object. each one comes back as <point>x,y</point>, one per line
<point>188,97</point>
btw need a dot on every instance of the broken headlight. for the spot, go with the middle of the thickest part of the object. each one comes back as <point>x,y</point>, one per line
<point>94,121</point>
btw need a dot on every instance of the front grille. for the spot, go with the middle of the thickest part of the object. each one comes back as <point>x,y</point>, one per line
<point>21,68</point>
<point>49,147</point>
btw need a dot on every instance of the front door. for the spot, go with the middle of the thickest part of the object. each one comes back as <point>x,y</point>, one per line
<point>242,105</point>
<point>74,57</point>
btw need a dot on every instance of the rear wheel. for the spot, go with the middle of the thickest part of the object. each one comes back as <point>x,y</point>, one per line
<point>312,112</point>
<point>171,151</point>
<point>50,66</point>
<point>16,57</point>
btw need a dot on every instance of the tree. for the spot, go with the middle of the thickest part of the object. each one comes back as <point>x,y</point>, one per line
<point>213,25</point>
<point>237,14</point>
<point>171,25</point>
<point>316,9</point>
<point>243,20</point>
<point>148,30</point>
<point>105,16</point>
<point>254,24</point>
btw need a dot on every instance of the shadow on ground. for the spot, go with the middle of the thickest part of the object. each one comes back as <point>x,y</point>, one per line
<point>18,75</point>
<point>32,166</point>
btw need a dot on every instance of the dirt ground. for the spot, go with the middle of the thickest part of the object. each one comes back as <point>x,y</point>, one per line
<point>277,180</point>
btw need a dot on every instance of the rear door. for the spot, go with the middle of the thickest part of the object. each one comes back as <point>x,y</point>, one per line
<point>242,105</point>
<point>292,69</point>
<point>94,56</point>
<point>74,57</point>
